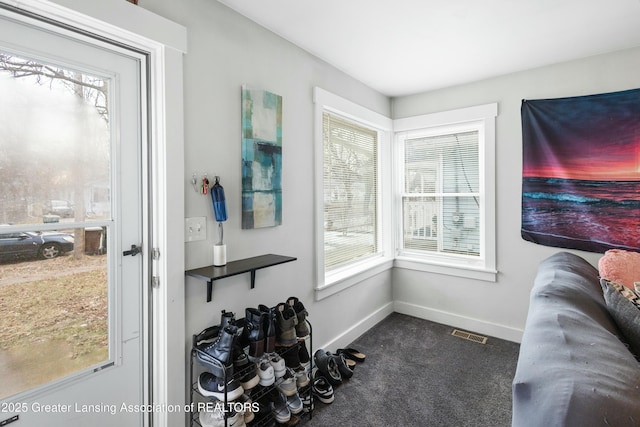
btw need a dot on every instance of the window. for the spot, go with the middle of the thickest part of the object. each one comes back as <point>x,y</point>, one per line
<point>350,176</point>
<point>445,206</point>
<point>353,172</point>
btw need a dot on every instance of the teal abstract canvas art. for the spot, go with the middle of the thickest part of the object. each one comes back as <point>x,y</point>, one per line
<point>261,158</point>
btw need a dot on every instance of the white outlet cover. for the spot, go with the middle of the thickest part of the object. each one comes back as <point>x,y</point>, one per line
<point>195,229</point>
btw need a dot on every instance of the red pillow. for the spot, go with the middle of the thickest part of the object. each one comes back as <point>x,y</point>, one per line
<point>620,266</point>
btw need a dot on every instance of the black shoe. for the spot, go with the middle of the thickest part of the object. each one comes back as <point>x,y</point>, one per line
<point>246,370</point>
<point>269,328</point>
<point>345,371</point>
<point>218,355</point>
<point>327,367</point>
<point>211,386</point>
<point>227,318</point>
<point>253,332</point>
<point>291,356</point>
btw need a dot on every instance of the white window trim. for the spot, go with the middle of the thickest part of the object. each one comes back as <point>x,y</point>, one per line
<point>349,275</point>
<point>482,116</point>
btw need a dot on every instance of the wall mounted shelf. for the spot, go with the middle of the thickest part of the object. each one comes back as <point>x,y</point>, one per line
<point>233,268</point>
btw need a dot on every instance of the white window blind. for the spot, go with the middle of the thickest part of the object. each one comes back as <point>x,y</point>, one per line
<point>441,200</point>
<point>350,178</point>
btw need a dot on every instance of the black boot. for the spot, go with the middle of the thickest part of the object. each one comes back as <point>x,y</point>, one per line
<point>221,351</point>
<point>253,332</point>
<point>227,318</point>
<point>269,318</point>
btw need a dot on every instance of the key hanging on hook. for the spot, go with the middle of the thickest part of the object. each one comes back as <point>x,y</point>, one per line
<point>205,185</point>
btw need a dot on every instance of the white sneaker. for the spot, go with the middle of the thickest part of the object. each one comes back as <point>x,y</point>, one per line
<point>265,372</point>
<point>278,365</point>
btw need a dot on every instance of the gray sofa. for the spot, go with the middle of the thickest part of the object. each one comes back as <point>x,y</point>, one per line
<point>574,368</point>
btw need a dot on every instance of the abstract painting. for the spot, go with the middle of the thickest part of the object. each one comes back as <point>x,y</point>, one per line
<point>261,158</point>
<point>581,171</point>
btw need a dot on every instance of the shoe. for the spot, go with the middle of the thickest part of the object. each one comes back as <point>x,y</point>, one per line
<point>345,371</point>
<point>279,406</point>
<point>253,332</point>
<point>247,408</point>
<point>327,367</point>
<point>294,420</point>
<point>307,403</point>
<point>302,328</point>
<point>303,355</point>
<point>246,370</point>
<point>279,367</point>
<point>213,418</point>
<point>302,378</point>
<point>286,321</point>
<point>269,325</point>
<point>265,372</point>
<point>211,386</point>
<point>295,403</point>
<point>217,356</point>
<point>323,390</point>
<point>291,356</point>
<point>353,354</point>
<point>288,383</point>
<point>227,318</point>
<point>216,418</point>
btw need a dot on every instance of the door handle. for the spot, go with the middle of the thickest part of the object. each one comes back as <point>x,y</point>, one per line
<point>135,250</point>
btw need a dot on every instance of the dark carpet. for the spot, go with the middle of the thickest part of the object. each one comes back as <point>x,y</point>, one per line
<point>417,374</point>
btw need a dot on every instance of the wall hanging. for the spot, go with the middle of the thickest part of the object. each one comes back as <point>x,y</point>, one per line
<point>261,158</point>
<point>581,171</point>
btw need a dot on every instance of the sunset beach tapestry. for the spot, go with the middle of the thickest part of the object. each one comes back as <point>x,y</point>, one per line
<point>581,171</point>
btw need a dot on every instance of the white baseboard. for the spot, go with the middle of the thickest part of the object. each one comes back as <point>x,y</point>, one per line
<point>358,329</point>
<point>458,321</point>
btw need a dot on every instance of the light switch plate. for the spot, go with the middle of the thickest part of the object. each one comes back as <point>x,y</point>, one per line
<point>195,229</point>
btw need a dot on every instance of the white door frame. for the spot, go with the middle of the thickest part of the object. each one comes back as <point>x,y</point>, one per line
<point>165,42</point>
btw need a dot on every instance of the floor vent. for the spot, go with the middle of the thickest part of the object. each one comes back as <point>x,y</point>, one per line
<point>469,336</point>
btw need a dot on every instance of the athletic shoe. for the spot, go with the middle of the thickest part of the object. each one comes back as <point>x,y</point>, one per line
<point>278,365</point>
<point>323,390</point>
<point>327,367</point>
<point>211,386</point>
<point>265,372</point>
<point>302,378</point>
<point>215,418</point>
<point>294,403</point>
<point>279,406</point>
<point>247,371</point>
<point>288,383</point>
<point>247,408</point>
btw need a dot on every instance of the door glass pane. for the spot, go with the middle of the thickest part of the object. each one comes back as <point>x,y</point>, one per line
<point>54,139</point>
<point>55,213</point>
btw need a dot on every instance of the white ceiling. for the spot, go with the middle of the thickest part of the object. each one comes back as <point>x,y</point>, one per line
<point>402,47</point>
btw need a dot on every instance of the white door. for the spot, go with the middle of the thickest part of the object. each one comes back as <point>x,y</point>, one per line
<point>72,126</point>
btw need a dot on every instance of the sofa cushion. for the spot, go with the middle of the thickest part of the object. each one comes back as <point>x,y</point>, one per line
<point>620,266</point>
<point>624,306</point>
<point>573,370</point>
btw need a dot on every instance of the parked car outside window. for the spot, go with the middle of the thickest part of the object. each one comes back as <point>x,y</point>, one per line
<point>29,244</point>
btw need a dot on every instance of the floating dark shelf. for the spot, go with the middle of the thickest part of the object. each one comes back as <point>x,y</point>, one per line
<point>234,268</point>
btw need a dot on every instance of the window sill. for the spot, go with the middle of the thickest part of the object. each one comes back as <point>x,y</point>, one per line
<point>451,269</point>
<point>339,281</point>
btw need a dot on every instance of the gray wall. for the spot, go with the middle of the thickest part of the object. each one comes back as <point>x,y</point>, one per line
<point>226,50</point>
<point>500,308</point>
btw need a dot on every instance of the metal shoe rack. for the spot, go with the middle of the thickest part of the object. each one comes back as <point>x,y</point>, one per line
<point>257,393</point>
